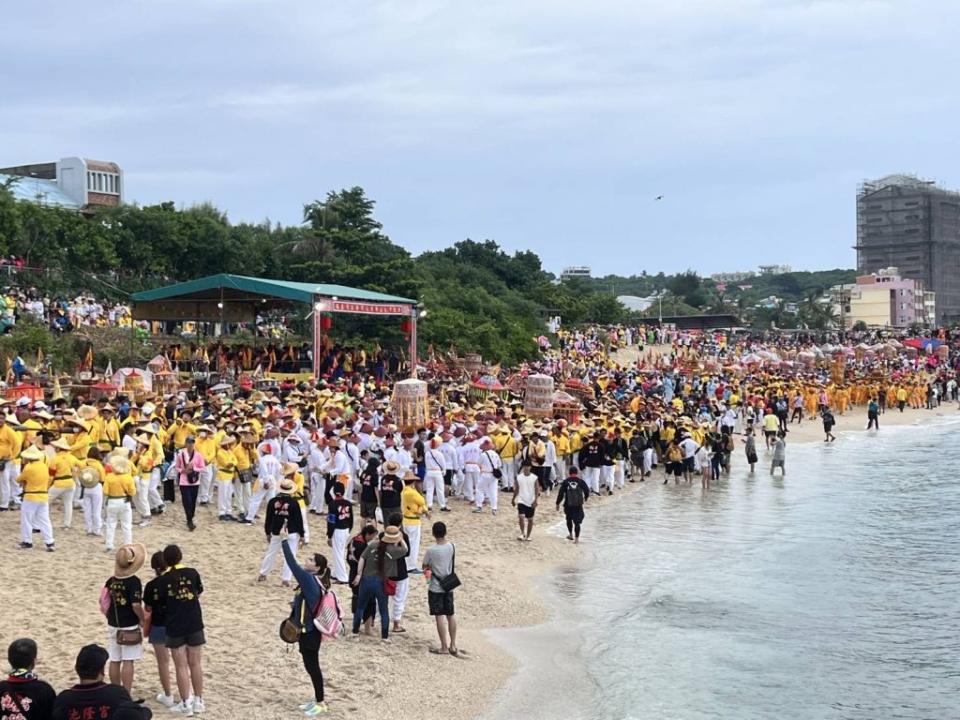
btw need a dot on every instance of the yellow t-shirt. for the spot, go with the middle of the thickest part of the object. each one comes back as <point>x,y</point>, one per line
<point>118,485</point>
<point>208,448</point>
<point>35,478</point>
<point>771,423</point>
<point>61,467</point>
<point>413,505</point>
<point>10,443</point>
<point>226,465</point>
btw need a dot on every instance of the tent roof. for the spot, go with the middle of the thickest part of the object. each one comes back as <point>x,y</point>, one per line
<point>286,290</point>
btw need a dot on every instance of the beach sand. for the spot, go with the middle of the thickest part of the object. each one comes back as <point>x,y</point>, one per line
<point>250,673</point>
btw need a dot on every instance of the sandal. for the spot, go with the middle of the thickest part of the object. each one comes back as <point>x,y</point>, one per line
<point>437,651</point>
<point>399,630</point>
<point>454,652</point>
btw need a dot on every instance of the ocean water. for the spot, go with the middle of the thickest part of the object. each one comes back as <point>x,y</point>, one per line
<point>832,594</point>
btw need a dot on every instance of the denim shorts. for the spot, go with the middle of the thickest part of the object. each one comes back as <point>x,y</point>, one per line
<point>158,635</point>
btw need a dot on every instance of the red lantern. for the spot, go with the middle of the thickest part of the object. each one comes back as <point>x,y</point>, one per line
<point>326,322</point>
<point>406,325</point>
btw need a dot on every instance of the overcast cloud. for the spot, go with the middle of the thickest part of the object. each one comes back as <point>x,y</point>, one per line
<point>546,125</point>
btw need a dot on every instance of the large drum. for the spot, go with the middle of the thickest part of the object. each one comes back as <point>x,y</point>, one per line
<point>538,396</point>
<point>411,404</point>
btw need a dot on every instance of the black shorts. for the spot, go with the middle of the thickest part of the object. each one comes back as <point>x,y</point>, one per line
<point>525,511</point>
<point>368,510</point>
<point>441,603</point>
<point>689,465</point>
<point>194,639</point>
<point>574,514</point>
<point>770,433</point>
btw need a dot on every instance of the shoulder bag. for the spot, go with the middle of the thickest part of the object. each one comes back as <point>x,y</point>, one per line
<point>450,582</point>
<point>126,637</point>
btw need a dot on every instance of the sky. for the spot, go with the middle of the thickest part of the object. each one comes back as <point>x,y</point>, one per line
<point>548,125</point>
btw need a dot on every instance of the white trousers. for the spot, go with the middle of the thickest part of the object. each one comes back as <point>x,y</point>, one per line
<point>206,482</point>
<point>259,496</point>
<point>119,510</point>
<point>591,476</point>
<point>618,473</point>
<point>457,484</point>
<point>433,486</point>
<point>142,498</point>
<point>65,496</point>
<point>509,472</point>
<point>35,515</point>
<point>224,496</point>
<point>9,488</point>
<point>560,471</point>
<point>606,476</point>
<point>92,503</point>
<point>153,490</point>
<point>318,486</point>
<point>339,542</point>
<point>471,478</point>
<point>413,532</point>
<point>487,490</point>
<point>242,493</point>
<point>274,549</point>
<point>399,600</point>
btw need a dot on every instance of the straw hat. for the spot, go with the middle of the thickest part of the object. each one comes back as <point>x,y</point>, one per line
<point>129,559</point>
<point>227,440</point>
<point>391,467</point>
<point>290,469</point>
<point>118,464</point>
<point>89,477</point>
<point>142,439</point>
<point>287,485</point>
<point>32,454</point>
<point>87,412</point>
<point>391,535</point>
<point>411,477</point>
<point>61,444</point>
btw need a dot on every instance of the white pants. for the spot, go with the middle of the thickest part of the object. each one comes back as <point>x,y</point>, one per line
<point>647,460</point>
<point>338,543</point>
<point>399,600</point>
<point>259,496</point>
<point>119,510</point>
<point>618,473</point>
<point>560,471</point>
<point>65,495</point>
<point>306,524</point>
<point>457,484</point>
<point>509,470</point>
<point>433,485</point>
<point>487,489</point>
<point>35,515</point>
<point>606,476</point>
<point>349,485</point>
<point>413,532</point>
<point>207,475</point>
<point>93,509</point>
<point>142,498</point>
<point>471,478</point>
<point>591,476</point>
<point>242,492</point>
<point>153,490</point>
<point>9,488</point>
<point>273,549</point>
<point>318,486</point>
<point>224,496</point>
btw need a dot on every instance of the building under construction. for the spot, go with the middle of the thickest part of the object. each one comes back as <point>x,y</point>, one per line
<point>914,225</point>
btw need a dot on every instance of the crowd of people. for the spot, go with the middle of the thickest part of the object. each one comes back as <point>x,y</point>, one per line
<point>326,463</point>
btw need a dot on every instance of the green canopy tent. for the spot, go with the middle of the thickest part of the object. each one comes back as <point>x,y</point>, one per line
<point>236,298</point>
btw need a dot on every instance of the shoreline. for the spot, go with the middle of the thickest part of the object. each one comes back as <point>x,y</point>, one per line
<point>534,645</point>
<point>505,607</point>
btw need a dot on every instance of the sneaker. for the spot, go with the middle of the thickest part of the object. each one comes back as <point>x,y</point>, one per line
<point>26,545</point>
<point>184,708</point>
<point>317,710</point>
<point>198,706</point>
<point>307,705</point>
<point>166,700</point>
<point>50,547</point>
<point>494,512</point>
<point>478,510</point>
<point>143,523</point>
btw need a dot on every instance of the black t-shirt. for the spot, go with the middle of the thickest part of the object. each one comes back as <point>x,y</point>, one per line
<point>368,486</point>
<point>98,701</point>
<point>124,594</point>
<point>401,573</point>
<point>390,492</point>
<point>357,546</point>
<point>151,598</point>
<point>180,596</point>
<point>29,699</point>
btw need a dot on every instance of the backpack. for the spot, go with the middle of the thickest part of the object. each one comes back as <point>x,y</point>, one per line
<point>327,617</point>
<point>574,495</point>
